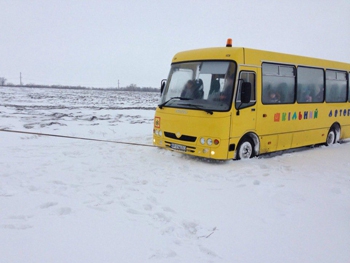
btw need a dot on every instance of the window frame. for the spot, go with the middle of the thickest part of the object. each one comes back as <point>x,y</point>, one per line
<point>297,86</point>
<point>348,86</point>
<point>215,106</point>
<point>327,86</point>
<point>278,75</point>
<point>237,102</point>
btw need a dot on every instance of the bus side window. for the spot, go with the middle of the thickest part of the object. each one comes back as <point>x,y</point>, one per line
<point>310,85</point>
<point>246,76</point>
<point>278,83</point>
<point>336,83</point>
<point>349,87</point>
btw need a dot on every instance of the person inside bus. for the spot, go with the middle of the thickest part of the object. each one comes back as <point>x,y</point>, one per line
<point>214,85</point>
<point>228,88</point>
<point>306,96</point>
<point>319,94</point>
<point>273,97</point>
<point>190,91</point>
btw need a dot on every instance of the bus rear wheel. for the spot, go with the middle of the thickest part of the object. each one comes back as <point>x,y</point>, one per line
<point>330,137</point>
<point>245,149</point>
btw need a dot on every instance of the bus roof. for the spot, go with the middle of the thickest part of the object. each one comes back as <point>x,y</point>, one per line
<point>255,57</point>
<point>219,53</point>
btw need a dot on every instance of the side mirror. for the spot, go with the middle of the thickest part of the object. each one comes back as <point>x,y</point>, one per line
<point>246,91</point>
<point>162,86</point>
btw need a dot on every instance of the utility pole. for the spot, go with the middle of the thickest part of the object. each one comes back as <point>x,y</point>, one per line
<point>118,83</point>
<point>20,78</point>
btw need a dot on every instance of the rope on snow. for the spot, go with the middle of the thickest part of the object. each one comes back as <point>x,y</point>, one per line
<point>76,138</point>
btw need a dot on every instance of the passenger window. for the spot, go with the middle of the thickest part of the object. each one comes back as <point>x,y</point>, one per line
<point>349,86</point>
<point>246,76</point>
<point>278,84</point>
<point>310,85</point>
<point>336,86</point>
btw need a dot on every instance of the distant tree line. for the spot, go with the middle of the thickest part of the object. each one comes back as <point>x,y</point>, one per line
<point>131,87</point>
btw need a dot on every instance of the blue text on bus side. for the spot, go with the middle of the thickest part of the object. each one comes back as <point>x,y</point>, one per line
<point>342,112</point>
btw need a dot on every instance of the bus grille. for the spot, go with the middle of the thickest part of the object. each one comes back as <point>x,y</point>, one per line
<point>186,138</point>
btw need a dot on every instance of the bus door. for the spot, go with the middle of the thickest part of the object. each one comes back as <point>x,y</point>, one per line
<point>244,115</point>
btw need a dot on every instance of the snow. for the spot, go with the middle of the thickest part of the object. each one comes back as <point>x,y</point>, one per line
<point>66,200</point>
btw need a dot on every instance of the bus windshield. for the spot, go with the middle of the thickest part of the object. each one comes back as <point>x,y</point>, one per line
<point>205,85</point>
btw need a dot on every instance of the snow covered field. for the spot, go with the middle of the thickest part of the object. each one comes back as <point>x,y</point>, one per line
<point>65,200</point>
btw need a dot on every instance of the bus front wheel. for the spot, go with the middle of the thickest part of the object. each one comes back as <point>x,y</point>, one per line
<point>330,137</point>
<point>245,149</point>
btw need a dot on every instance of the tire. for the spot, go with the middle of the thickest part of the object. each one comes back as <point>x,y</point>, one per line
<point>330,137</point>
<point>245,149</point>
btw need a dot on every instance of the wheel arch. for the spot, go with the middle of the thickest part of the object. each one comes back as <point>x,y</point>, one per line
<point>254,138</point>
<point>337,129</point>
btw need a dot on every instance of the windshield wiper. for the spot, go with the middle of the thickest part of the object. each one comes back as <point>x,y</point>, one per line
<point>173,98</point>
<point>198,107</point>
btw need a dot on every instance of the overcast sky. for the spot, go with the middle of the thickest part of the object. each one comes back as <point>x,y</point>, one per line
<point>98,42</point>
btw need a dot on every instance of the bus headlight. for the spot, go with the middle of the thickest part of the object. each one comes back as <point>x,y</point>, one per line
<point>202,141</point>
<point>158,132</point>
<point>209,141</point>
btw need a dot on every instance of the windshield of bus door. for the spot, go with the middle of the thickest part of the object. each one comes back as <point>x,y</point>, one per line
<point>200,85</point>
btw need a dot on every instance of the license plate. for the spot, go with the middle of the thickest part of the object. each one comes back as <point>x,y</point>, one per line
<point>178,147</point>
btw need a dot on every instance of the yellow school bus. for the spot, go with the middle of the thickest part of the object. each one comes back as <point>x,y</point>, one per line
<point>236,103</point>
